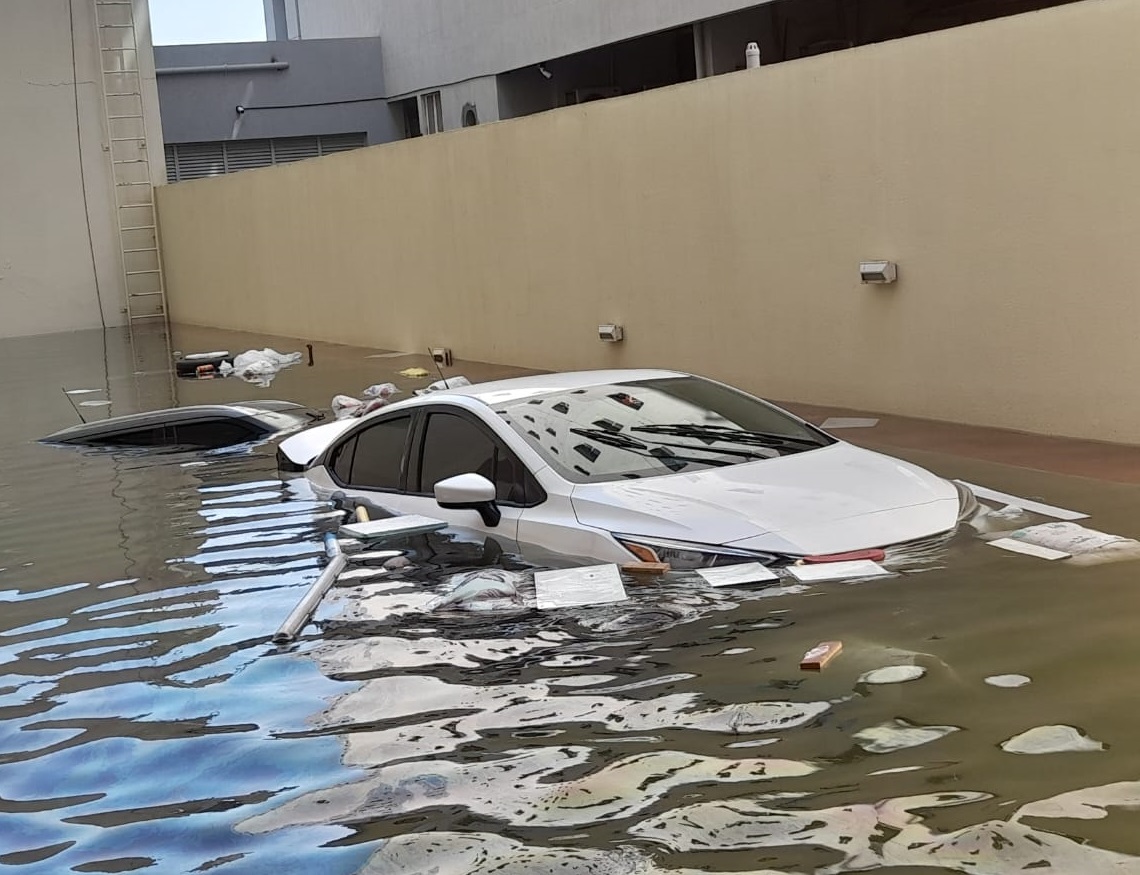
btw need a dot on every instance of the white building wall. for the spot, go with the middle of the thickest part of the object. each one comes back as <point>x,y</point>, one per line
<point>429,43</point>
<point>55,177</point>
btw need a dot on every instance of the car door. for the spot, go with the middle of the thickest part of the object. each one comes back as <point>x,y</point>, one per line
<point>372,462</point>
<point>450,441</point>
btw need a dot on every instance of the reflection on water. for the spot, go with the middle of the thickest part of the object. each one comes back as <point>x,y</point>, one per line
<point>435,722</point>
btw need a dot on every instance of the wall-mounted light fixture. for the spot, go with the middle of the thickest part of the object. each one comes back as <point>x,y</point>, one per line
<point>611,333</point>
<point>880,272</point>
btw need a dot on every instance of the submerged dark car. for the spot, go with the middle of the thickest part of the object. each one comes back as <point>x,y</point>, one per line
<point>201,427</point>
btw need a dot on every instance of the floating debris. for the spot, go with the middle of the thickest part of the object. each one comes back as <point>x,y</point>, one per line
<point>893,674</point>
<point>1008,681</point>
<point>737,575</point>
<point>1051,739</point>
<point>899,735</point>
<point>415,373</point>
<point>579,587</point>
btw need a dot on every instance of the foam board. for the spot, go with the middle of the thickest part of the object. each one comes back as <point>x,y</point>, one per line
<point>393,527</point>
<point>1058,513</point>
<point>737,575</point>
<point>1027,549</point>
<point>579,587</point>
<point>836,571</point>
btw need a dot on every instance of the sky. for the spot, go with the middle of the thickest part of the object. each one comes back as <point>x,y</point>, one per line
<point>175,22</point>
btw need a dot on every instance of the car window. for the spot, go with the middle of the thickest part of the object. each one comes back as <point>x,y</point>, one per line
<point>656,427</point>
<point>151,436</point>
<point>210,433</point>
<point>378,455</point>
<point>455,445</point>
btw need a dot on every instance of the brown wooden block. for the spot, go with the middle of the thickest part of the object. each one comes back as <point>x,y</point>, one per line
<point>819,656</point>
<point>646,567</point>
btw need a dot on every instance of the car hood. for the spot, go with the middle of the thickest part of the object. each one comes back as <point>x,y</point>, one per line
<point>830,500</point>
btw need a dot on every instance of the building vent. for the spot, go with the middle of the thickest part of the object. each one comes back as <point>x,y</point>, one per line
<point>199,160</point>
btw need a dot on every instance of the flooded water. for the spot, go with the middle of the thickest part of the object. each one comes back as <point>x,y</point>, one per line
<point>977,720</point>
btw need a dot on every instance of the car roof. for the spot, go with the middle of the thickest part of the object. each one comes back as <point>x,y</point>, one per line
<point>102,428</point>
<point>545,384</point>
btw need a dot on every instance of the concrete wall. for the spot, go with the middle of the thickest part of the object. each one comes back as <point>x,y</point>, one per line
<point>723,221</point>
<point>50,269</point>
<point>322,75</point>
<point>429,43</point>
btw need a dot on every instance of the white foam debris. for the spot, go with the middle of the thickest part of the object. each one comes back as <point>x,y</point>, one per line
<point>738,575</point>
<point>1085,546</point>
<point>900,770</point>
<point>1051,739</point>
<point>899,735</point>
<point>893,674</point>
<point>1008,681</point>
<point>1089,804</point>
<point>579,587</point>
<point>836,571</point>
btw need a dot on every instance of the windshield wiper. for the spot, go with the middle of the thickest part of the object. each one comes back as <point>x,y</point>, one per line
<point>633,445</point>
<point>729,435</point>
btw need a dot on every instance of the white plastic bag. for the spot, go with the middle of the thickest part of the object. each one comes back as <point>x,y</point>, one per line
<point>261,366</point>
<point>346,407</point>
<point>381,390</point>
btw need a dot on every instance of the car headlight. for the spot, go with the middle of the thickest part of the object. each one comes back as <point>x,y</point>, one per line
<point>967,502</point>
<point>684,556</point>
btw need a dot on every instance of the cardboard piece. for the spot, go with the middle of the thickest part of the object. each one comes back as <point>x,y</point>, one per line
<point>738,575</point>
<point>836,571</point>
<point>819,656</point>
<point>393,527</point>
<point>578,587</point>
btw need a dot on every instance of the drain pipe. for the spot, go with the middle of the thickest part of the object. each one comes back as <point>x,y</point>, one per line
<point>297,620</point>
<point>223,68</point>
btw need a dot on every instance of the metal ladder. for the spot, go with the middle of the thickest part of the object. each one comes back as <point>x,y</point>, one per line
<point>117,41</point>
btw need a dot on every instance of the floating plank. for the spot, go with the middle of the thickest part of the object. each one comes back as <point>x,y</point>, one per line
<point>394,527</point>
<point>836,571</point>
<point>738,575</point>
<point>579,587</point>
<point>819,656</point>
<point>848,422</point>
<point>1028,549</point>
<point>646,568</point>
<point>1058,513</point>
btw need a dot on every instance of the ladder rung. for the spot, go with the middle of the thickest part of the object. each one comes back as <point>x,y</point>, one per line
<point>120,117</point>
<point>126,139</point>
<point>145,294</point>
<point>117,25</point>
<point>148,316</point>
<point>123,94</point>
<point>145,249</point>
<point>119,72</point>
<point>139,228</point>
<point>121,49</point>
<point>132,183</point>
<point>140,272</point>
<point>132,161</point>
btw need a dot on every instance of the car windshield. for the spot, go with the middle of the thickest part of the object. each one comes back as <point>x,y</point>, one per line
<point>649,428</point>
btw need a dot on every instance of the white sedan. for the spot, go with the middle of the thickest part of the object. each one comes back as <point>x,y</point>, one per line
<point>628,465</point>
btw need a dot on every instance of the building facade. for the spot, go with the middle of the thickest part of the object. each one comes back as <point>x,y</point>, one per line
<point>80,148</point>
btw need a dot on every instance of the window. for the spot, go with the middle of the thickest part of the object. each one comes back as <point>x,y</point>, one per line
<point>432,112</point>
<point>377,456</point>
<point>454,445</point>
<point>211,433</point>
<point>197,160</point>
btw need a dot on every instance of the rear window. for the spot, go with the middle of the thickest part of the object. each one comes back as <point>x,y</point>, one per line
<point>651,428</point>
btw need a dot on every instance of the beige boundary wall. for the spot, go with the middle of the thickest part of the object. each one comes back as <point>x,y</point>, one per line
<point>722,222</point>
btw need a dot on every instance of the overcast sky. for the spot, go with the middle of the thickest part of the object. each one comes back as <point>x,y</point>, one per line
<point>207,21</point>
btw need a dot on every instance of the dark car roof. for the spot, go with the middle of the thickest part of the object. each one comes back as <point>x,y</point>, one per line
<point>263,418</point>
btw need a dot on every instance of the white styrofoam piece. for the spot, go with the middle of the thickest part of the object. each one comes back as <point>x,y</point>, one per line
<point>836,571</point>
<point>393,527</point>
<point>579,587</point>
<point>737,575</point>
<point>848,422</point>
<point>1028,549</point>
<point>1058,513</point>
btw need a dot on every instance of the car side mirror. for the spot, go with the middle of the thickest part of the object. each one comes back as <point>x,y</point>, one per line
<point>470,492</point>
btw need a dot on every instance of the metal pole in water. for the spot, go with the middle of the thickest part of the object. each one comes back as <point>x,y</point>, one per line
<point>298,619</point>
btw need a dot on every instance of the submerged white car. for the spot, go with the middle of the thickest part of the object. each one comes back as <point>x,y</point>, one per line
<point>628,465</point>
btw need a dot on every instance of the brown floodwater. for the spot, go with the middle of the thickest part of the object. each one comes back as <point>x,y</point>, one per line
<point>147,722</point>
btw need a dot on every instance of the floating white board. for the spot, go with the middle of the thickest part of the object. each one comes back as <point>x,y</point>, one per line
<point>848,422</point>
<point>394,527</point>
<point>579,587</point>
<point>836,571</point>
<point>1058,513</point>
<point>737,575</point>
<point>1027,549</point>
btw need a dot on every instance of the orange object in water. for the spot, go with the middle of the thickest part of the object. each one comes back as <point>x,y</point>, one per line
<point>872,555</point>
<point>819,656</point>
